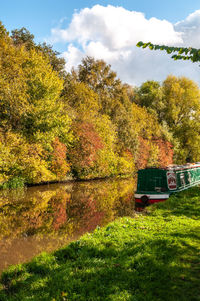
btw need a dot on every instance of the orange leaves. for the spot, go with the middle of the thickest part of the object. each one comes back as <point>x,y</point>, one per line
<point>59,165</point>
<point>144,149</point>
<point>164,156</point>
<point>88,143</point>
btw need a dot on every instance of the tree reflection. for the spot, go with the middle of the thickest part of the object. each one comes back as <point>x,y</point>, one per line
<point>59,213</point>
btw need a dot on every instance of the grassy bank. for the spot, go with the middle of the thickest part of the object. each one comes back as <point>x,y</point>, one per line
<point>154,256</point>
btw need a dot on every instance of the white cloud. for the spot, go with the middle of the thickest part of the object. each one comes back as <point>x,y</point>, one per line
<point>111,33</point>
<point>190,29</point>
<point>72,56</point>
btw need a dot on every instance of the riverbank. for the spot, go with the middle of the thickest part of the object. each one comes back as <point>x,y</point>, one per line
<point>153,256</point>
<point>17,182</point>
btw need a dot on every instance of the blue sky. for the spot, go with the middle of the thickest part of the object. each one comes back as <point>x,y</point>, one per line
<point>53,21</point>
<point>39,16</point>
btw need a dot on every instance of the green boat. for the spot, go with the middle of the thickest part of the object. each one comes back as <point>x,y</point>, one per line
<point>157,184</point>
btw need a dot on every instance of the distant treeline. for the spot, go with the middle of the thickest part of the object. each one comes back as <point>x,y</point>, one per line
<point>86,123</point>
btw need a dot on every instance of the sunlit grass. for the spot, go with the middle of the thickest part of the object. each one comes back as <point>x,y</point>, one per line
<point>153,256</point>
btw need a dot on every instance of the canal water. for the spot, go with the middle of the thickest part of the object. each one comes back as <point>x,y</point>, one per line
<point>45,218</point>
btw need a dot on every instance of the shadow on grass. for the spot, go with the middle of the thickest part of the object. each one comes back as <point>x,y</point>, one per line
<point>151,269</point>
<point>185,203</point>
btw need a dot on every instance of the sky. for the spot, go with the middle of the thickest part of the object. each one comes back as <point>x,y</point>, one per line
<point>110,30</point>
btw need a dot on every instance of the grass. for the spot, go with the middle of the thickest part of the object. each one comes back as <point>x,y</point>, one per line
<point>153,256</point>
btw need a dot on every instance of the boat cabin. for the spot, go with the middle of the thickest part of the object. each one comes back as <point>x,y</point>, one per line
<point>157,184</point>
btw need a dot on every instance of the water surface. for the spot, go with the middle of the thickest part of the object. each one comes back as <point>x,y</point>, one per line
<point>44,218</point>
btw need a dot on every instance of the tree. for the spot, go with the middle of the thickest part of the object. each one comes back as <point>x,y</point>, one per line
<point>181,101</point>
<point>29,93</point>
<point>57,63</point>
<point>178,109</point>
<point>101,79</point>
<point>59,164</point>
<point>13,83</point>
<point>182,114</point>
<point>113,98</point>
<point>181,53</point>
<point>98,75</point>
<point>23,37</point>
<point>85,149</point>
<point>150,96</point>
<point>80,97</point>
<point>47,118</point>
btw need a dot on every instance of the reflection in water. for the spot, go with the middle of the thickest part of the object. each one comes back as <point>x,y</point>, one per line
<point>140,206</point>
<point>45,218</point>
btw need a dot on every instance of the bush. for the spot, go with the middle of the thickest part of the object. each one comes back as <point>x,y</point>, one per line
<point>15,182</point>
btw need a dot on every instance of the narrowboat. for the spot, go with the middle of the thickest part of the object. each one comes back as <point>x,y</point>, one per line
<point>157,184</point>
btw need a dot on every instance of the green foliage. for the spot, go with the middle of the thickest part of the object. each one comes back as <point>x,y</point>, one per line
<point>13,183</point>
<point>23,37</point>
<point>176,105</point>
<point>181,53</point>
<point>150,96</point>
<point>182,114</point>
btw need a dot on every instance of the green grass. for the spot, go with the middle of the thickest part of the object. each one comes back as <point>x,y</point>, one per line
<point>153,256</point>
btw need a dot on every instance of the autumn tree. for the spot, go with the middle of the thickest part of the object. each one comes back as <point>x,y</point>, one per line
<point>181,101</point>
<point>29,88</point>
<point>182,114</point>
<point>98,75</point>
<point>86,122</point>
<point>85,149</point>
<point>101,79</point>
<point>23,37</point>
<point>31,112</point>
<point>46,115</point>
<point>150,96</point>
<point>78,96</point>
<point>176,103</point>
<point>59,164</point>
<point>13,84</point>
<point>113,99</point>
<point>188,122</point>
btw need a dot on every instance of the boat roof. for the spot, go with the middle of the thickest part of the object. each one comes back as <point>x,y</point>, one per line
<point>174,167</point>
<point>185,166</point>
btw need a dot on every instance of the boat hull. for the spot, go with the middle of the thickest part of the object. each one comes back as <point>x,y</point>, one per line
<point>150,198</point>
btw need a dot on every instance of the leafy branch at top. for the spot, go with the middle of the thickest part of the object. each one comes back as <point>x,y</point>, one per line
<point>180,53</point>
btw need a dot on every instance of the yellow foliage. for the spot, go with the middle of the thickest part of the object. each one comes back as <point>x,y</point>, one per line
<point>19,158</point>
